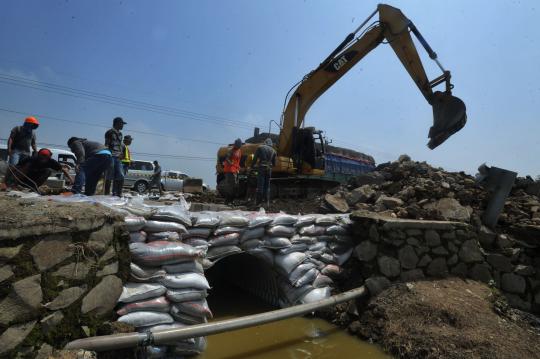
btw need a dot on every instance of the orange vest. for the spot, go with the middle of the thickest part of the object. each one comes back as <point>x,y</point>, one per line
<point>234,166</point>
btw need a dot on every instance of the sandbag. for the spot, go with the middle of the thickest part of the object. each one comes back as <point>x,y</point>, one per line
<point>146,318</point>
<point>146,274</point>
<point>303,239</point>
<point>137,237</point>
<point>233,219</point>
<point>328,258</point>
<point>196,308</point>
<point>162,252</point>
<point>253,233</point>
<point>160,304</point>
<point>204,220</point>
<point>134,224</point>
<point>182,317</point>
<point>163,236</point>
<point>320,246</point>
<point>222,251</point>
<point>251,244</point>
<point>155,352</point>
<point>322,281</point>
<point>276,242</point>
<point>228,230</point>
<point>295,247</point>
<point>326,220</point>
<point>230,239</point>
<point>336,229</point>
<point>318,264</point>
<point>293,294</point>
<point>172,214</point>
<point>331,270</point>
<point>185,267</point>
<point>155,226</point>
<point>284,220</point>
<point>262,253</point>
<point>260,221</point>
<point>304,221</point>
<point>197,233</point>
<point>307,278</point>
<point>183,348</point>
<point>316,295</point>
<point>299,271</point>
<point>280,231</point>
<point>195,242</point>
<point>287,262</point>
<point>185,280</point>
<point>312,230</point>
<point>134,292</point>
<point>185,295</point>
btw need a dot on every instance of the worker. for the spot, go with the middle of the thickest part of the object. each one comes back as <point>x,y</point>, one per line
<point>156,178</point>
<point>265,156</point>
<point>93,159</point>
<point>32,172</point>
<point>22,140</point>
<point>126,154</point>
<point>231,168</point>
<point>115,174</point>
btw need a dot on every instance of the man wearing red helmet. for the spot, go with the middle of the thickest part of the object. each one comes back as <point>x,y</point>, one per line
<point>22,140</point>
<point>32,172</point>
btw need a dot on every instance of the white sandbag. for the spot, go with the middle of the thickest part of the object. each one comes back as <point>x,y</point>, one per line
<point>304,221</point>
<point>185,280</point>
<point>185,267</point>
<point>156,226</point>
<point>222,252</point>
<point>328,258</point>
<point>227,230</point>
<point>163,236</point>
<point>196,308</point>
<point>318,246</point>
<point>343,257</point>
<point>287,262</point>
<point>230,239</point>
<point>336,229</point>
<point>182,317</point>
<point>295,247</point>
<point>326,220</point>
<point>284,220</point>
<point>204,220</point>
<point>260,221</point>
<point>297,238</point>
<point>160,304</point>
<point>312,230</point>
<point>316,295</point>
<point>162,252</point>
<point>146,274</point>
<point>251,244</point>
<point>307,278</point>
<point>183,348</point>
<point>262,253</point>
<point>276,242</point>
<point>331,270</point>
<point>134,292</point>
<point>195,242</point>
<point>146,318</point>
<point>318,264</point>
<point>185,295</point>
<point>233,219</point>
<point>293,294</point>
<point>197,233</point>
<point>322,281</point>
<point>299,271</point>
<point>134,224</point>
<point>253,233</point>
<point>280,231</point>
<point>172,214</point>
<point>139,236</point>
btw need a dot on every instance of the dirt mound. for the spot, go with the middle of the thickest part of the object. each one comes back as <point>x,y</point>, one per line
<point>448,319</point>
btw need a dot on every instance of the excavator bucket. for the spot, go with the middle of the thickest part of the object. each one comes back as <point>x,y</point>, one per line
<point>448,118</point>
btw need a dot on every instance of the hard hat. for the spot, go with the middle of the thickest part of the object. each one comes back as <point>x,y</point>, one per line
<point>32,120</point>
<point>238,143</point>
<point>45,152</point>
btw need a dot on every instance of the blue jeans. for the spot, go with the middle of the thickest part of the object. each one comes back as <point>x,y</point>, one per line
<point>116,170</point>
<point>90,172</point>
<point>16,156</point>
<point>263,184</point>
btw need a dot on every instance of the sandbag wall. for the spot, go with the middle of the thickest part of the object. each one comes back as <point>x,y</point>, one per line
<point>171,248</point>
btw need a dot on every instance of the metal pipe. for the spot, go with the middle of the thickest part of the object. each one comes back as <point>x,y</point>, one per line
<point>164,337</point>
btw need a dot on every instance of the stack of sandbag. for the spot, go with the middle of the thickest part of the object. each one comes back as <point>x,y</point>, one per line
<point>225,236</point>
<point>168,288</point>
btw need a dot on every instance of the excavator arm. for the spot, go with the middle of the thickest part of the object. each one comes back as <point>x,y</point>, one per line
<point>448,111</point>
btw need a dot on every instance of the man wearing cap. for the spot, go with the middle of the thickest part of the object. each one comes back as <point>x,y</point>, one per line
<point>32,172</point>
<point>264,159</point>
<point>231,168</point>
<point>93,159</point>
<point>22,141</point>
<point>115,174</point>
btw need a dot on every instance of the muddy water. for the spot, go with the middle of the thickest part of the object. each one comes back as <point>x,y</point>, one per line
<point>296,338</point>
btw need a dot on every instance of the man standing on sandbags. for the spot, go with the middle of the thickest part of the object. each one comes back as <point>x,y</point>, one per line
<point>231,168</point>
<point>266,158</point>
<point>93,159</point>
<point>115,174</point>
<point>156,178</point>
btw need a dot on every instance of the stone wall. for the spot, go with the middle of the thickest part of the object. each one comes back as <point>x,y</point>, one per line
<point>391,249</point>
<point>61,274</point>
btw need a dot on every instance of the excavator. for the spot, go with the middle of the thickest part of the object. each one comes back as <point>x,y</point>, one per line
<point>302,164</point>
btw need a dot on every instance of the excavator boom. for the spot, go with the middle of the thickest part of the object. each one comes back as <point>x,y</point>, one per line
<point>448,111</point>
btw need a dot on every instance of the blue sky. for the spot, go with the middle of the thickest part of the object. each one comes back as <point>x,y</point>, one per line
<point>237,59</point>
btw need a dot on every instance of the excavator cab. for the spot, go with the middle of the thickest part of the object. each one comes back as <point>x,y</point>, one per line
<point>449,116</point>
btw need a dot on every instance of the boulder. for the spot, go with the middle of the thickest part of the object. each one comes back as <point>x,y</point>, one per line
<point>336,203</point>
<point>524,270</point>
<point>101,300</point>
<point>389,202</point>
<point>375,285</point>
<point>513,283</point>
<point>389,266</point>
<point>412,275</point>
<point>360,195</point>
<point>28,291</point>
<point>459,270</point>
<point>470,252</point>
<point>14,336</point>
<point>108,270</point>
<point>66,298</point>
<point>7,253</point>
<point>481,273</point>
<point>500,262</point>
<point>75,270</point>
<point>437,268</point>
<point>432,238</point>
<point>407,257</point>
<point>99,240</point>
<point>486,237</point>
<point>424,261</point>
<point>450,209</point>
<point>366,251</point>
<point>5,273</point>
<point>51,321</point>
<point>51,251</point>
<point>44,352</point>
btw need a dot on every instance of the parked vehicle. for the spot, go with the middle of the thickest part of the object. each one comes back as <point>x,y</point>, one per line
<point>139,176</point>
